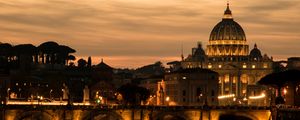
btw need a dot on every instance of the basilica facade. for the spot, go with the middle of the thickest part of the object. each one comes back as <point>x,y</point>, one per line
<point>239,69</point>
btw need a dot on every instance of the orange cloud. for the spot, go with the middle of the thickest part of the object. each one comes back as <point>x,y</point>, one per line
<point>142,30</point>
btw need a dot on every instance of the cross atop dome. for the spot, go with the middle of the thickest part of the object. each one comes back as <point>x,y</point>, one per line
<point>227,13</point>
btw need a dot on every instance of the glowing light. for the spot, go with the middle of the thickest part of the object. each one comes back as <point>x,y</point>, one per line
<point>11,102</point>
<point>209,66</point>
<point>167,99</point>
<point>284,91</point>
<point>226,96</point>
<point>265,65</point>
<point>258,97</point>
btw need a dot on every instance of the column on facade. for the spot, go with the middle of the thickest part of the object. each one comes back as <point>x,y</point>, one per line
<point>221,78</point>
<point>231,77</point>
<point>226,85</point>
<point>235,78</point>
<point>237,85</point>
<point>191,96</point>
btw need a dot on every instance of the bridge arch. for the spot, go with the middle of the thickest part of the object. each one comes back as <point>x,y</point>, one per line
<point>102,115</point>
<point>35,115</point>
<point>235,116</point>
<point>170,116</point>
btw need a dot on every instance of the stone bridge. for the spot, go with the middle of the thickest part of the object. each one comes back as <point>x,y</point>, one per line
<point>52,112</point>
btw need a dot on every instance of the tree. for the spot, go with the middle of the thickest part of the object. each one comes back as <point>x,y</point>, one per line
<point>280,79</point>
<point>63,54</point>
<point>48,50</point>
<point>133,94</point>
<point>24,53</point>
<point>81,63</point>
<point>89,64</point>
<point>71,57</point>
<point>5,54</point>
<point>5,50</point>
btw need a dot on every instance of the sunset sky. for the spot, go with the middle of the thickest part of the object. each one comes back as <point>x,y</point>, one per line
<point>132,33</point>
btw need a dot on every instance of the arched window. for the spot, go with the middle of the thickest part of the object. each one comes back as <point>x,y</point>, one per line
<point>244,78</point>
<point>226,78</point>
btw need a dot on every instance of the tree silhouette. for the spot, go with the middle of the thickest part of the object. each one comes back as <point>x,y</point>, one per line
<point>5,54</point>
<point>280,79</point>
<point>89,64</point>
<point>81,63</point>
<point>24,53</point>
<point>5,50</point>
<point>47,51</point>
<point>63,54</point>
<point>53,53</point>
<point>133,94</point>
<point>71,58</point>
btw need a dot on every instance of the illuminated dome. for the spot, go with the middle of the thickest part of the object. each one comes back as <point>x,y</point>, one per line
<point>227,29</point>
<point>227,38</point>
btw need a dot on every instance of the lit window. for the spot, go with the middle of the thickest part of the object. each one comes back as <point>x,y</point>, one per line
<point>220,66</point>
<point>209,66</point>
<point>244,80</point>
<point>265,65</point>
<point>244,91</point>
<point>234,81</point>
<point>226,80</point>
<point>253,66</point>
<point>244,66</point>
<point>226,88</point>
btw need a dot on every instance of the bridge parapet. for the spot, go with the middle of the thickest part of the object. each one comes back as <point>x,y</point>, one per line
<point>126,112</point>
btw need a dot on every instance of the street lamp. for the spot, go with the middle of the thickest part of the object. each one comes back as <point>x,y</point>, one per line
<point>38,98</point>
<point>200,99</point>
<point>41,100</point>
<point>284,91</point>
<point>50,94</point>
<point>8,89</point>
<point>20,92</point>
<point>167,100</point>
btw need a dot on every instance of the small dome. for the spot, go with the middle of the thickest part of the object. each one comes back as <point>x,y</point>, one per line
<point>227,29</point>
<point>255,52</point>
<point>198,53</point>
<point>103,66</point>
